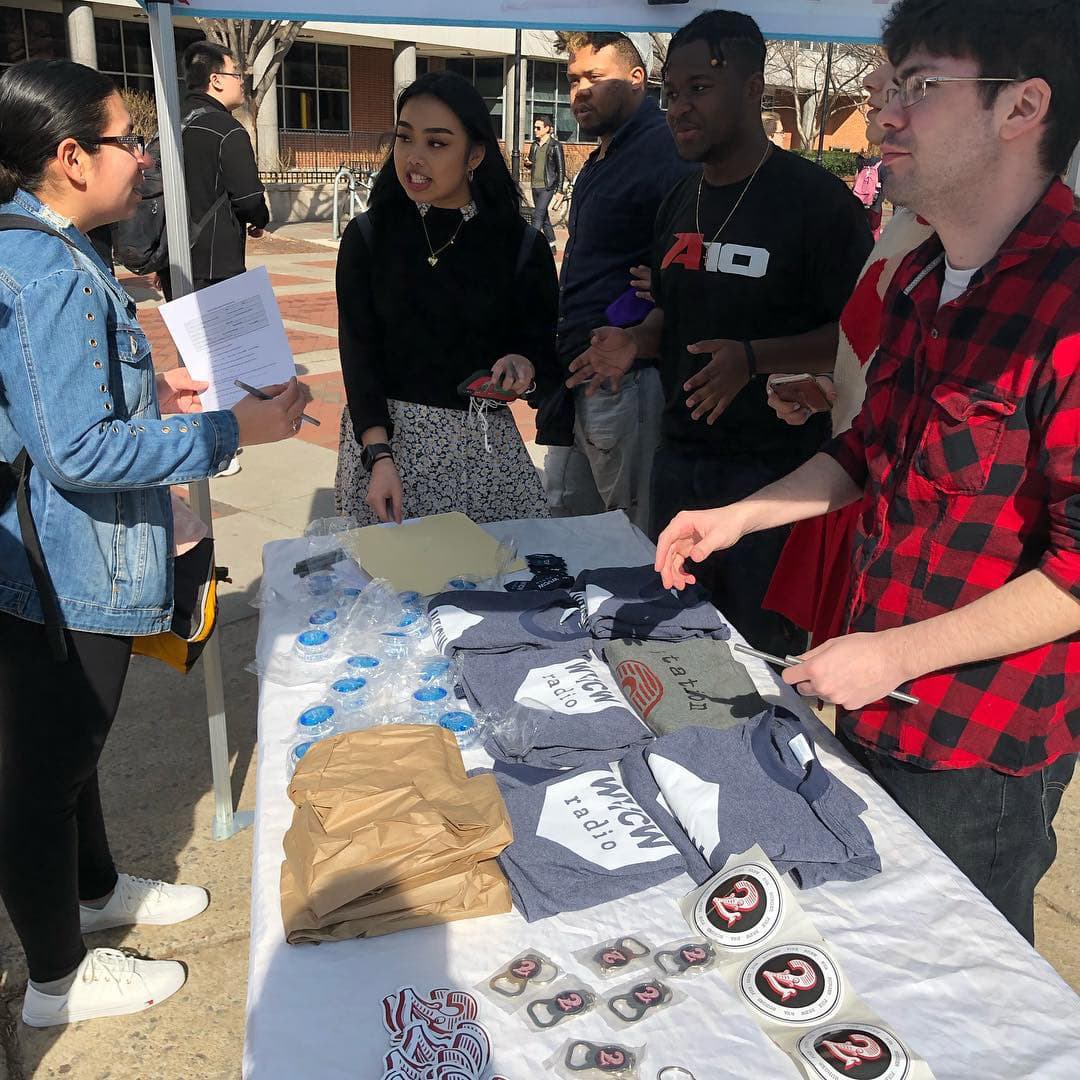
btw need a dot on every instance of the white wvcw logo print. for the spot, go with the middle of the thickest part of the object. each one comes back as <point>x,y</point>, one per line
<point>448,623</point>
<point>578,686</point>
<point>594,816</point>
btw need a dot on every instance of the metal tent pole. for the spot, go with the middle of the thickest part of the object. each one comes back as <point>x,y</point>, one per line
<point>167,92</point>
<point>515,152</point>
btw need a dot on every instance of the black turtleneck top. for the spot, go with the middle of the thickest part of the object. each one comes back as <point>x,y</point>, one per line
<point>411,331</point>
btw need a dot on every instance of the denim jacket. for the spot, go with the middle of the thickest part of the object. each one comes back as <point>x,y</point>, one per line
<point>77,390</point>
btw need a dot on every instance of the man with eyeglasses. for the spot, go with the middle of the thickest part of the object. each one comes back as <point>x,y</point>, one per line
<point>219,167</point>
<point>547,167</point>
<point>964,459</point>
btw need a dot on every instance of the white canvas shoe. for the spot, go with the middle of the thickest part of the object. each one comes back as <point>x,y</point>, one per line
<point>107,983</point>
<point>143,901</point>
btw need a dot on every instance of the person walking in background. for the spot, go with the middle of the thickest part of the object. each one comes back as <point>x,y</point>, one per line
<point>601,447</point>
<point>84,445</point>
<point>547,169</point>
<point>440,278</point>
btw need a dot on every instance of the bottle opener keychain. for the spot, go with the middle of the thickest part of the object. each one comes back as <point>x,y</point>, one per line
<point>583,1056</point>
<point>694,955</point>
<point>633,1005</point>
<point>515,978</point>
<point>547,1012</point>
<point>616,956</point>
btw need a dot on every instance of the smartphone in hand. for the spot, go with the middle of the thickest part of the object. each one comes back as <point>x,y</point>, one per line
<point>802,390</point>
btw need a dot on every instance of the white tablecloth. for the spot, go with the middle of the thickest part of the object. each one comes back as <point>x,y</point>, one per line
<point>918,942</point>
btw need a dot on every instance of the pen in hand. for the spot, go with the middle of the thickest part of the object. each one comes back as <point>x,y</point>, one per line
<point>254,392</point>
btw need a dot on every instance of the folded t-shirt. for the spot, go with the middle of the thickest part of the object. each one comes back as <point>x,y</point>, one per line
<point>580,840</point>
<point>746,785</point>
<point>497,622</point>
<point>567,699</point>
<point>692,683</point>
<point>631,602</point>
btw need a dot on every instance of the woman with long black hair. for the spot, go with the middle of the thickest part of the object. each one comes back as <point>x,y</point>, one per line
<point>440,279</point>
<point>84,442</point>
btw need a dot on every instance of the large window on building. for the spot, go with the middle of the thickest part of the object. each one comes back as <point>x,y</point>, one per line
<point>123,51</point>
<point>31,35</point>
<point>487,74</point>
<point>548,92</point>
<point>313,91</point>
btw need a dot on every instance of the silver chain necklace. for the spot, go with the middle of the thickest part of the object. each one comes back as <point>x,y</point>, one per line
<point>738,201</point>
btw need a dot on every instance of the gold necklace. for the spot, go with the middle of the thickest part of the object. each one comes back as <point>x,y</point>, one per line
<point>742,195</point>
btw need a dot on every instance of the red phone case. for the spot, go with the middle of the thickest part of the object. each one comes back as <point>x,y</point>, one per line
<point>481,385</point>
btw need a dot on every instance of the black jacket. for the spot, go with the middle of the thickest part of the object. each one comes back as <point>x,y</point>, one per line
<point>554,168</point>
<point>219,158</point>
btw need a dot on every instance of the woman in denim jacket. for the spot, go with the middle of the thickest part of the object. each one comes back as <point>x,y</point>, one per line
<point>80,395</point>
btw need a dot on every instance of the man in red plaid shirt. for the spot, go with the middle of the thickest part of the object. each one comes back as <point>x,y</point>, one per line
<point>966,455</point>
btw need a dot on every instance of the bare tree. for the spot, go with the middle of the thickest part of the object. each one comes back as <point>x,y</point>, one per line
<point>245,39</point>
<point>800,68</point>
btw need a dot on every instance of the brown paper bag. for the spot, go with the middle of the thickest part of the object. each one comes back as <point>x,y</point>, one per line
<point>389,832</point>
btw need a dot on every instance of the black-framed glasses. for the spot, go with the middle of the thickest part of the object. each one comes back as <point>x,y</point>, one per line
<point>133,144</point>
<point>231,74</point>
<point>913,89</point>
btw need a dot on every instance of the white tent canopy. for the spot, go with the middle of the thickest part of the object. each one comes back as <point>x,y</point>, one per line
<point>831,20</point>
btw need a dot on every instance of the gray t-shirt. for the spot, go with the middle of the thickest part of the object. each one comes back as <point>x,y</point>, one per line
<point>692,683</point>
<point>568,699</point>
<point>497,622</point>
<point>746,785</point>
<point>631,602</point>
<point>580,840</point>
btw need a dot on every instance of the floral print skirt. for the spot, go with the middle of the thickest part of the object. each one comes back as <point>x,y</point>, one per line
<point>447,461</point>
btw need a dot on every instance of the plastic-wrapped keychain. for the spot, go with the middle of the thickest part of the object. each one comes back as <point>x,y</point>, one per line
<point>577,1059</point>
<point>633,1002</point>
<point>684,958</point>
<point>616,956</point>
<point>509,986</point>
<point>568,1000</point>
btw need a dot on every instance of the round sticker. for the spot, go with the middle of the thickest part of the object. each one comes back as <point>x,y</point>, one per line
<point>857,1051</point>
<point>743,909</point>
<point>795,984</point>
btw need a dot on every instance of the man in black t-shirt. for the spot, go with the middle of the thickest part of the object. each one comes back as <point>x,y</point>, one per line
<point>753,261</point>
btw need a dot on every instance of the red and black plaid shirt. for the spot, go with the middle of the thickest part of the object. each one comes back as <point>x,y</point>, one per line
<point>968,446</point>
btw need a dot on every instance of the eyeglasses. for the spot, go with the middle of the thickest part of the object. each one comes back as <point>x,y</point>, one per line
<point>133,144</point>
<point>231,74</point>
<point>913,89</point>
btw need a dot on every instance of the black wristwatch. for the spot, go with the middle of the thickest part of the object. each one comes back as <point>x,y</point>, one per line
<point>375,452</point>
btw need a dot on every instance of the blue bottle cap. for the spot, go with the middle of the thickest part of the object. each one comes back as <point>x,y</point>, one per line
<point>352,592</point>
<point>461,583</point>
<point>316,715</point>
<point>364,663</point>
<point>311,638</point>
<point>322,616</point>
<point>300,749</point>
<point>457,721</point>
<point>348,686</point>
<point>409,618</point>
<point>321,583</point>
<point>428,694</point>
<point>409,598</point>
<point>434,669</point>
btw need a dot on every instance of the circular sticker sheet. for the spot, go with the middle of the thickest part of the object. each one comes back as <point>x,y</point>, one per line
<point>742,910</point>
<point>792,984</point>
<point>856,1051</point>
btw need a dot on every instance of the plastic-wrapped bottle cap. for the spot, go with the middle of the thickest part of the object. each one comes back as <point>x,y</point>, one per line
<point>427,696</point>
<point>462,584</point>
<point>316,717</point>
<point>457,721</point>
<point>323,617</point>
<point>365,665</point>
<point>409,598</point>
<point>434,669</point>
<point>412,622</point>
<point>300,749</point>
<point>352,592</point>
<point>321,584</point>
<point>348,686</point>
<point>313,638</point>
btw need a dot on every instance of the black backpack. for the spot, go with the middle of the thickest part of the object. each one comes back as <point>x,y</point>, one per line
<point>141,243</point>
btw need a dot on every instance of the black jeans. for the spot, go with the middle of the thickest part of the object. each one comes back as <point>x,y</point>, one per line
<point>54,719</point>
<point>541,201</point>
<point>737,579</point>
<point>997,829</point>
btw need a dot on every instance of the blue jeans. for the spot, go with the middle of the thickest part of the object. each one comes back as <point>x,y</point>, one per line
<point>997,829</point>
<point>737,579</point>
<point>541,201</point>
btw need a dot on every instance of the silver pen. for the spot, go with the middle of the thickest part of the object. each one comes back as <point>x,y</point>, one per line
<point>254,392</point>
<point>791,661</point>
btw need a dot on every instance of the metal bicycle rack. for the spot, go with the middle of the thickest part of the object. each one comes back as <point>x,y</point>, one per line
<point>358,188</point>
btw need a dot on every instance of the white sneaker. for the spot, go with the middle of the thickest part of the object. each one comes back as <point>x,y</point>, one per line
<point>139,900</point>
<point>107,983</point>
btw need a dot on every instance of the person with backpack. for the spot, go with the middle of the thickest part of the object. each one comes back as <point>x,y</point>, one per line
<point>86,531</point>
<point>867,189</point>
<point>439,281</point>
<point>226,198</point>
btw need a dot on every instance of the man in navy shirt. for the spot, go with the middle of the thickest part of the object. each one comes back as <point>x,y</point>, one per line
<point>616,196</point>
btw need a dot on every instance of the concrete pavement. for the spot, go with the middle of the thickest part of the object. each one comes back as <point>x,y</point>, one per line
<point>155,773</point>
